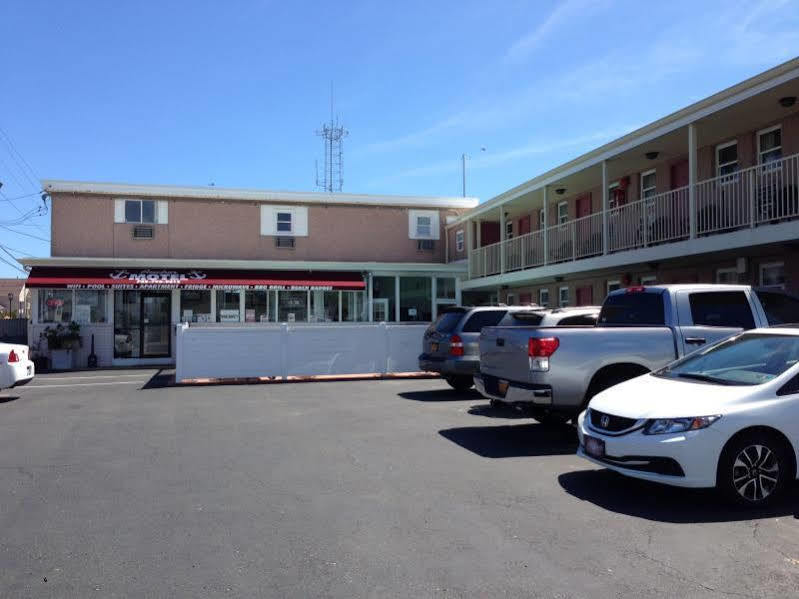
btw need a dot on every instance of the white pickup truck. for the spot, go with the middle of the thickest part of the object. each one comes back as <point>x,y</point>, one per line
<point>554,372</point>
<point>16,367</point>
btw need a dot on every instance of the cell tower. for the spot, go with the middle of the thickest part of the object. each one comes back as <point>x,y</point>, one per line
<point>333,134</point>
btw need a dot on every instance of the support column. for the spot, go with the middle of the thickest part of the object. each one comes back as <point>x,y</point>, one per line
<point>478,227</point>
<point>605,206</point>
<point>370,298</point>
<point>692,179</point>
<point>433,293</point>
<point>545,208</point>
<point>396,298</point>
<point>503,235</point>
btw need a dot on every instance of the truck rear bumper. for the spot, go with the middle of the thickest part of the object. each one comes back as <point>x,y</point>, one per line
<point>516,393</point>
<point>449,366</point>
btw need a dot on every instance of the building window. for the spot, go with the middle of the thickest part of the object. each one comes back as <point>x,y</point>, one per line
<point>509,229</point>
<point>649,280</point>
<point>445,288</point>
<point>543,297</point>
<point>772,274</point>
<point>769,144</point>
<point>139,211</point>
<point>89,307</point>
<point>563,297</point>
<point>227,306</point>
<point>324,306</point>
<point>195,306</point>
<point>424,226</point>
<point>614,285</point>
<point>541,220</point>
<point>563,212</point>
<point>383,299</point>
<point>459,240</point>
<point>727,159</point>
<point>353,306</point>
<point>292,306</point>
<point>510,299</point>
<point>648,184</point>
<point>55,305</point>
<point>416,299</point>
<point>617,196</point>
<point>283,222</point>
<point>727,275</point>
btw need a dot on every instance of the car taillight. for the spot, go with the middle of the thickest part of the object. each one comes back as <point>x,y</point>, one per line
<point>13,357</point>
<point>539,350</point>
<point>455,346</point>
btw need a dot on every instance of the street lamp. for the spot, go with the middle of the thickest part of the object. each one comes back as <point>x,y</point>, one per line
<point>464,156</point>
<point>10,297</point>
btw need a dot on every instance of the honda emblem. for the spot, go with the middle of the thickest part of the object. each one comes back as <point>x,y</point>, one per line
<point>604,421</point>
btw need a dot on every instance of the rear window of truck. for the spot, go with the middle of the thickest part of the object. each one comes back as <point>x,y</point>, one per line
<point>633,309</point>
<point>523,319</point>
<point>484,318</point>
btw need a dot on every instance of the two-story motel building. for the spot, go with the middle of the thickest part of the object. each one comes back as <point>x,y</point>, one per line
<point>707,194</point>
<point>128,262</point>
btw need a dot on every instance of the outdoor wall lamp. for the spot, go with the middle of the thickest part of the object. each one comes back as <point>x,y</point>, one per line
<point>787,101</point>
<point>560,191</point>
<point>652,155</point>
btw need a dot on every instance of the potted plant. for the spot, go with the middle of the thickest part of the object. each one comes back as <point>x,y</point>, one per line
<point>61,341</point>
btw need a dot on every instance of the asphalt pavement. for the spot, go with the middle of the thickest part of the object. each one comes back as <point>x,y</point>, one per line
<point>112,485</point>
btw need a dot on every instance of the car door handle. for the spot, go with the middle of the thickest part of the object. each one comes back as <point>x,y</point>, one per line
<point>695,340</point>
<point>500,342</point>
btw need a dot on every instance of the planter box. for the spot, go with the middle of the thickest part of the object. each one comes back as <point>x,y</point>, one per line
<point>61,359</point>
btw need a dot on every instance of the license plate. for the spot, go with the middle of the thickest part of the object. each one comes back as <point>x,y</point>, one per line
<point>594,447</point>
<point>434,347</point>
<point>502,387</point>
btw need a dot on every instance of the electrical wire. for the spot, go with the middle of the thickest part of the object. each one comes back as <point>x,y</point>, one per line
<point>12,265</point>
<point>2,226</point>
<point>12,151</point>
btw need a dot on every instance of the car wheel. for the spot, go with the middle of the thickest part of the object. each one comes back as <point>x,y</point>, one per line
<point>548,417</point>
<point>495,404</point>
<point>460,383</point>
<point>754,469</point>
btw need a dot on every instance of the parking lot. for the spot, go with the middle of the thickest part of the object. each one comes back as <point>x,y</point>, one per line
<point>115,486</point>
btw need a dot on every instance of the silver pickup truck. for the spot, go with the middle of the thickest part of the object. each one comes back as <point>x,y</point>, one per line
<point>554,372</point>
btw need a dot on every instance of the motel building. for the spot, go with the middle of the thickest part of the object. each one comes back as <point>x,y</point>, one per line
<point>707,194</point>
<point>130,262</point>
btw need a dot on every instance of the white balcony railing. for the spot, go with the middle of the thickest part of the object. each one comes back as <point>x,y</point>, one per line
<point>750,197</point>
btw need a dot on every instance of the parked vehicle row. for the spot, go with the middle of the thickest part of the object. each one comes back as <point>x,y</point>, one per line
<point>688,385</point>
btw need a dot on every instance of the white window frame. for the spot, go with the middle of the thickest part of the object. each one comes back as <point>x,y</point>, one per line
<point>419,233</point>
<point>612,282</point>
<point>542,223</point>
<point>611,195</point>
<point>413,224</point>
<point>459,240</point>
<point>766,265</point>
<point>509,229</point>
<point>141,211</point>
<point>277,214</point>
<point>728,270</point>
<point>510,298</point>
<point>543,297</point>
<point>560,296</point>
<point>563,218</point>
<point>649,279</point>
<point>729,177</point>
<point>652,188</point>
<point>764,132</point>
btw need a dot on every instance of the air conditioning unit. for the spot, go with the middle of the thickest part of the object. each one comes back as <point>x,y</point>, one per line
<point>426,244</point>
<point>284,242</point>
<point>143,232</point>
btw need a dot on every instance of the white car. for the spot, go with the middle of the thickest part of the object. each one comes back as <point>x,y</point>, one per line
<point>726,416</point>
<point>15,366</point>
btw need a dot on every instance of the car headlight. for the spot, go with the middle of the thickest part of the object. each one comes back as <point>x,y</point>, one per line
<point>665,426</point>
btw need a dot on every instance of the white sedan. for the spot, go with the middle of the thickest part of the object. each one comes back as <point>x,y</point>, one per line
<point>726,416</point>
<point>15,366</point>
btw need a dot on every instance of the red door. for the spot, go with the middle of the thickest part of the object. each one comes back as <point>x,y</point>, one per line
<point>679,174</point>
<point>489,232</point>
<point>584,205</point>
<point>585,295</point>
<point>524,225</point>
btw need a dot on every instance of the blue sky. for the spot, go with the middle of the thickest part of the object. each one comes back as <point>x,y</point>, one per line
<point>231,93</point>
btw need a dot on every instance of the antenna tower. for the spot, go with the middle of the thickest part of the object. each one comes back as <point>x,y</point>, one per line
<point>333,134</point>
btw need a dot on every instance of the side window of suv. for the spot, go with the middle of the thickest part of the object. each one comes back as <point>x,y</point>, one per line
<point>584,319</point>
<point>779,308</point>
<point>721,309</point>
<point>483,318</point>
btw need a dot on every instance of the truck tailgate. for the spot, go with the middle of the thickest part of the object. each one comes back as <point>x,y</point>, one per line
<point>503,353</point>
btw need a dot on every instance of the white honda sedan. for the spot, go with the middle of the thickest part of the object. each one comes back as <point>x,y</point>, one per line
<point>726,416</point>
<point>16,367</point>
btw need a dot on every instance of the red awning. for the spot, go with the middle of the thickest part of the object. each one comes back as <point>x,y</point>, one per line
<point>123,278</point>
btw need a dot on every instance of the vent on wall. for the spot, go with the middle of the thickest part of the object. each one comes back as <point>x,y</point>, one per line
<point>143,232</point>
<point>426,244</point>
<point>284,242</point>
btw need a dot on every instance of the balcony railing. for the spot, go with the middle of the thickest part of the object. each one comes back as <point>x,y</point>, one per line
<point>752,197</point>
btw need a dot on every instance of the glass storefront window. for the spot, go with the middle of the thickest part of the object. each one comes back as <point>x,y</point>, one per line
<point>195,306</point>
<point>127,324</point>
<point>416,301</point>
<point>227,306</point>
<point>324,306</point>
<point>89,306</point>
<point>292,306</point>
<point>353,306</point>
<point>55,305</point>
<point>256,306</point>
<point>445,288</point>
<point>383,299</point>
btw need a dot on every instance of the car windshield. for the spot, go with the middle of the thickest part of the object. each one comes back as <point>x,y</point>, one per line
<point>750,359</point>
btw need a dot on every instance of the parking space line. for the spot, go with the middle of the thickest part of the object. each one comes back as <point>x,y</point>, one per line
<point>44,377</point>
<point>87,384</point>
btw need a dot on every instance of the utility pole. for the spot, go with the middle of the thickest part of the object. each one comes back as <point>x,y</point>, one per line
<point>464,156</point>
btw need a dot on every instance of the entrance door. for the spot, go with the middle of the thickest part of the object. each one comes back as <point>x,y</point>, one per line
<point>584,205</point>
<point>585,295</point>
<point>380,309</point>
<point>155,328</point>
<point>679,174</point>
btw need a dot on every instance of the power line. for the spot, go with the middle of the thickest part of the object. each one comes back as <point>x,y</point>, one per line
<point>13,150</point>
<point>27,195</point>
<point>12,265</point>
<point>22,233</point>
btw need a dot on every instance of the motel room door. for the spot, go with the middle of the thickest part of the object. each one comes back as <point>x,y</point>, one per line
<point>156,333</point>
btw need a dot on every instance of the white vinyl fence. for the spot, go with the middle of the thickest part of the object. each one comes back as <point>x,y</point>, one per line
<point>293,349</point>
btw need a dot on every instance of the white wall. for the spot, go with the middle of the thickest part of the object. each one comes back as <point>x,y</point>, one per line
<point>255,350</point>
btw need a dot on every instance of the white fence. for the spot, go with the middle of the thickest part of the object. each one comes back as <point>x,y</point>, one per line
<point>294,349</point>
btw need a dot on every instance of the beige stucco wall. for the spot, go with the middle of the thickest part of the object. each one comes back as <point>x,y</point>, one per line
<point>83,226</point>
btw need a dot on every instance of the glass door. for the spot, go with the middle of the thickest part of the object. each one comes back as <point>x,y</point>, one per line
<point>155,318</point>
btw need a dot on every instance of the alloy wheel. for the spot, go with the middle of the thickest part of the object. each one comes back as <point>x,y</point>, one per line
<point>755,472</point>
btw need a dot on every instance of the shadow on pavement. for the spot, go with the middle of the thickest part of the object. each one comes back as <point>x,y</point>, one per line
<point>662,503</point>
<point>445,394</point>
<point>514,440</point>
<point>162,378</point>
<point>8,398</point>
<point>501,411</point>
